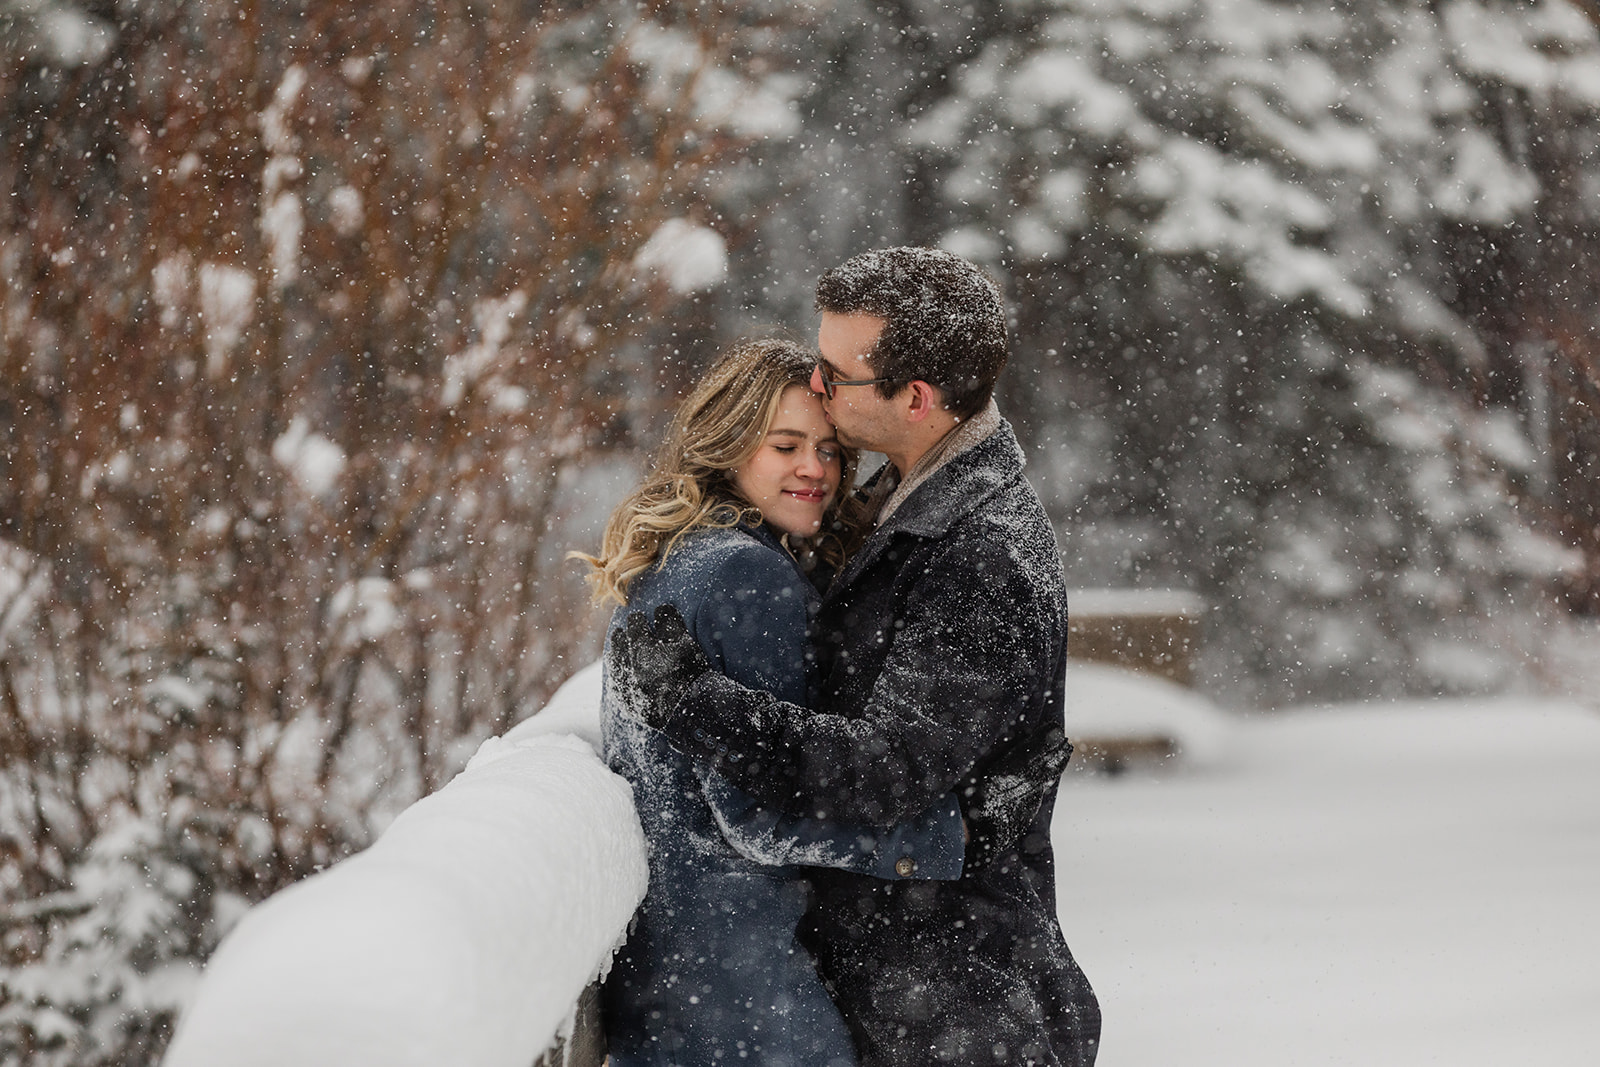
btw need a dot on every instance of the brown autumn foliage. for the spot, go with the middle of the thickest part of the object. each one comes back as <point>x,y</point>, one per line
<point>311,315</point>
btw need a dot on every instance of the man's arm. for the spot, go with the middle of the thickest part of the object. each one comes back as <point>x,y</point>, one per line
<point>965,668</point>
<point>753,619</point>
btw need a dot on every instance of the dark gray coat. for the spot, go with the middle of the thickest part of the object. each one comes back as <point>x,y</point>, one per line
<point>712,971</point>
<point>942,647</point>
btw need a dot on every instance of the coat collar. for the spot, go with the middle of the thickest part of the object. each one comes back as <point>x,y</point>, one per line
<point>949,495</point>
<point>968,433</point>
<point>767,535</point>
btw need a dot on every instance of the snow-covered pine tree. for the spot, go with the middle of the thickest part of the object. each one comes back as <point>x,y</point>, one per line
<point>1243,237</point>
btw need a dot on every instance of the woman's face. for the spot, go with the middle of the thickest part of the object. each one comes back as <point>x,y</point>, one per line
<point>794,475</point>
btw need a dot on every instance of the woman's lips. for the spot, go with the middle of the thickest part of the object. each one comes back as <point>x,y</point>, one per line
<point>810,496</point>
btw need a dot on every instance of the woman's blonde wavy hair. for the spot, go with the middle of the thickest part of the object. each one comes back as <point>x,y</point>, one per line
<point>690,485</point>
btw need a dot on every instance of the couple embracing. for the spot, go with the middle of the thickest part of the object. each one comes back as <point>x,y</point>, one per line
<point>841,711</point>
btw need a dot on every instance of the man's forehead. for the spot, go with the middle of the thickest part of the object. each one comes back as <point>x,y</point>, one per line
<point>848,337</point>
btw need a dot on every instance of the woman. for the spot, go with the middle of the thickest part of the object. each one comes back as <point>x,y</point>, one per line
<point>743,490</point>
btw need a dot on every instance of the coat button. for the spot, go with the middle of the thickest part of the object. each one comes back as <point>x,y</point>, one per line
<point>905,866</point>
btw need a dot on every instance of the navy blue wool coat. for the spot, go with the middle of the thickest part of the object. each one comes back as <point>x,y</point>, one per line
<point>712,972</point>
<point>943,650</point>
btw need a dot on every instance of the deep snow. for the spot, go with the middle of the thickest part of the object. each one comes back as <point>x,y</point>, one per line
<point>1379,885</point>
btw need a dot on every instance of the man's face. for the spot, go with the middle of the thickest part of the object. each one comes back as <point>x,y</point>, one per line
<point>863,418</point>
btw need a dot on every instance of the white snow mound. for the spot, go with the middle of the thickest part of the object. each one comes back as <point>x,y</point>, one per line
<point>572,709</point>
<point>1110,704</point>
<point>463,935</point>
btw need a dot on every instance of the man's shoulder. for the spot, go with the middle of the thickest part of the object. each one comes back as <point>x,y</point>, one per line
<point>1014,513</point>
<point>978,507</point>
<point>1011,533</point>
<point>1002,506</point>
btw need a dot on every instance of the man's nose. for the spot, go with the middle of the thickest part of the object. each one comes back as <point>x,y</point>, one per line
<point>816,381</point>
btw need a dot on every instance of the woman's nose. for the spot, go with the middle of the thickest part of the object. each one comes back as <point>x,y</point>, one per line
<point>810,464</point>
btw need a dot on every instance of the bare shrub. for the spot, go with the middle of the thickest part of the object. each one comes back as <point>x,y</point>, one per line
<point>312,313</point>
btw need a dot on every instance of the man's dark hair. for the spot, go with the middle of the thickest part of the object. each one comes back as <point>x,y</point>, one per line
<point>944,321</point>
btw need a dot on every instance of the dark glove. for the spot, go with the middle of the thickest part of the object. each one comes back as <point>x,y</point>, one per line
<point>1000,807</point>
<point>656,665</point>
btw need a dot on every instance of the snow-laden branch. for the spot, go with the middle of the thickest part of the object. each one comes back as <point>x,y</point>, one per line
<point>463,936</point>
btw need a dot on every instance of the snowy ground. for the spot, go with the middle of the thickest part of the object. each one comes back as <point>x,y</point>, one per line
<point>1377,885</point>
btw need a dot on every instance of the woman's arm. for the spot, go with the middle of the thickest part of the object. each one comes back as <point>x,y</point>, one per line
<point>928,846</point>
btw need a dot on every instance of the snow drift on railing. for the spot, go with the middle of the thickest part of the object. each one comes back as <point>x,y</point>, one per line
<point>463,936</point>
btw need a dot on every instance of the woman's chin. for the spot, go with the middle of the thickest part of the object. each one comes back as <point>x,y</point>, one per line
<point>806,528</point>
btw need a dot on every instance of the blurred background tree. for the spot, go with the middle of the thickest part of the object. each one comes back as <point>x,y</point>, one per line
<point>1302,300</point>
<point>313,312</point>
<point>1259,261</point>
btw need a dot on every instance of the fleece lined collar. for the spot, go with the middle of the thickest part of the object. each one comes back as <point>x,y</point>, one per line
<point>964,435</point>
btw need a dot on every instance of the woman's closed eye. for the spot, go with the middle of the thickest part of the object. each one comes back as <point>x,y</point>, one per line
<point>829,453</point>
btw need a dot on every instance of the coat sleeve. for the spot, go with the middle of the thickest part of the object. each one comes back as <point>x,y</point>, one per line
<point>752,622</point>
<point>927,846</point>
<point>964,671</point>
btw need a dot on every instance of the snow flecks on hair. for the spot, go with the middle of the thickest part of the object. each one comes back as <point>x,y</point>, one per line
<point>945,319</point>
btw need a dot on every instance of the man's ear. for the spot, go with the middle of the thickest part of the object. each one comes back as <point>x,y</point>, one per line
<point>924,401</point>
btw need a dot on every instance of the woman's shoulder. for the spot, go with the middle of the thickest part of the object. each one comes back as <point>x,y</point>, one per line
<point>730,564</point>
<point>735,548</point>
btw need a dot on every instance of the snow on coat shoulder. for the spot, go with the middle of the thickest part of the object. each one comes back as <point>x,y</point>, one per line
<point>463,935</point>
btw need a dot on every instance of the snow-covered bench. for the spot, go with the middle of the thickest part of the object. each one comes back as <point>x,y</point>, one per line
<point>471,933</point>
<point>1150,631</point>
<point>1153,630</point>
<point>466,935</point>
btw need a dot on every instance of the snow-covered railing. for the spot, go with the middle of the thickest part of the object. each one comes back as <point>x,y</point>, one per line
<point>465,935</point>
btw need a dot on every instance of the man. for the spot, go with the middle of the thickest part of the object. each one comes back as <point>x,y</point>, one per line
<point>942,646</point>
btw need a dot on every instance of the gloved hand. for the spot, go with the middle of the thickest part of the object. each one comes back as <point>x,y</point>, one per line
<point>1000,807</point>
<point>657,663</point>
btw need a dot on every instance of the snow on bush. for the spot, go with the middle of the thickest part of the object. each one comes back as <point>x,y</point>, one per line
<point>688,256</point>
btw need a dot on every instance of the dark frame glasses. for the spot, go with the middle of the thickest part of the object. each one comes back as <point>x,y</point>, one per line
<point>828,383</point>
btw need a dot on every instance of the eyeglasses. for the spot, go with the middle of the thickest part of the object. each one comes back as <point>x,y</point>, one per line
<point>824,371</point>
